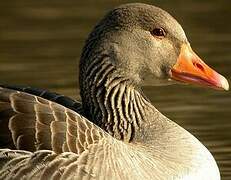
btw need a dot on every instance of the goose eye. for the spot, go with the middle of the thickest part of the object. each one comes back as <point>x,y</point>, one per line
<point>159,32</point>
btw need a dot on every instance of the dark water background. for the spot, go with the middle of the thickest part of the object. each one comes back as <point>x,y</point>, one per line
<point>41,41</point>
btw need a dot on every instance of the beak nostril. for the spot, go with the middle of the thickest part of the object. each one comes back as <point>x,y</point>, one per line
<point>199,66</point>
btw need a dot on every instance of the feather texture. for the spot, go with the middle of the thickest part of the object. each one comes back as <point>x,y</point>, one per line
<point>116,133</point>
<point>34,123</point>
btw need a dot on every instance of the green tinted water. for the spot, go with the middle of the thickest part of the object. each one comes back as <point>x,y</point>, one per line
<point>41,41</point>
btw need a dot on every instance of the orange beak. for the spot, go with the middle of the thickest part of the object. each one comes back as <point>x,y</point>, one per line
<point>189,68</point>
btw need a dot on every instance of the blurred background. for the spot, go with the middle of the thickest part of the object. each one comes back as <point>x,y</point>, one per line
<point>41,42</point>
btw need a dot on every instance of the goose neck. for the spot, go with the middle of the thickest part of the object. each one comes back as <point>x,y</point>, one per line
<point>112,102</point>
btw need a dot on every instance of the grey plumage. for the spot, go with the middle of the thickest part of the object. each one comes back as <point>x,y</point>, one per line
<point>116,133</point>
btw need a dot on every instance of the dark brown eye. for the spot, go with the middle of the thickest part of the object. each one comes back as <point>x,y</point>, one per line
<point>159,32</point>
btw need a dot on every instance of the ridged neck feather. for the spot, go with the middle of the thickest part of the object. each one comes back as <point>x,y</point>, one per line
<point>110,99</point>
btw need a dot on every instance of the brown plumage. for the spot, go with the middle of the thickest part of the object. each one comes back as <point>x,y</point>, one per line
<point>116,133</point>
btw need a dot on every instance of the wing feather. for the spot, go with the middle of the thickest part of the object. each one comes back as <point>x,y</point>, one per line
<point>35,123</point>
<point>74,144</point>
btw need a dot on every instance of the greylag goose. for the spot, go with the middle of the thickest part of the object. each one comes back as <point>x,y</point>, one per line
<point>115,133</point>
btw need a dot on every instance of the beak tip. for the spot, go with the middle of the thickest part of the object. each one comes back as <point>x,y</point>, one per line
<point>226,87</point>
<point>224,84</point>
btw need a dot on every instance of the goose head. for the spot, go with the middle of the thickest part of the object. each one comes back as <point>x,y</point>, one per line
<point>148,46</point>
